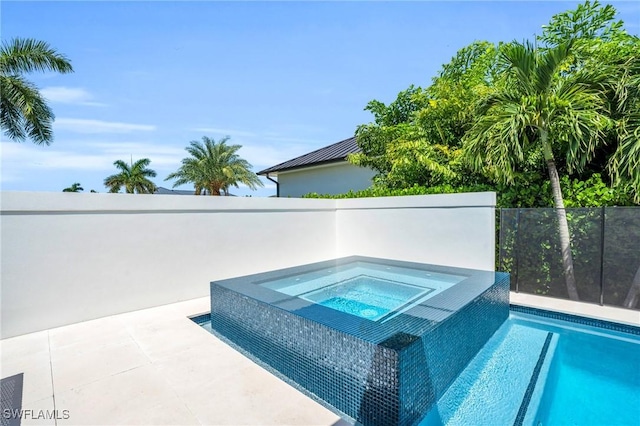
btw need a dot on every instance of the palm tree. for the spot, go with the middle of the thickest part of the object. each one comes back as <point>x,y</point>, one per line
<point>23,111</point>
<point>213,167</point>
<point>538,109</point>
<point>74,188</point>
<point>133,177</point>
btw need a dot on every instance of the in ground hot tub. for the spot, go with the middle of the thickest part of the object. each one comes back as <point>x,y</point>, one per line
<point>377,340</point>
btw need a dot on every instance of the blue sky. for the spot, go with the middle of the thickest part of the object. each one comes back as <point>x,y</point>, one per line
<point>280,78</point>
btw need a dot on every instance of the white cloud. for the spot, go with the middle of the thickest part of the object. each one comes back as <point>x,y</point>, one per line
<point>80,125</point>
<point>69,95</point>
<point>18,158</point>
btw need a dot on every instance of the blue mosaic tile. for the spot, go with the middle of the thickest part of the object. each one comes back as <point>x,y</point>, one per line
<point>576,319</point>
<point>373,372</point>
<point>522,411</point>
<point>201,319</point>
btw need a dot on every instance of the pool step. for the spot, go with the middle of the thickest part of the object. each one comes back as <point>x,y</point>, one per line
<point>498,387</point>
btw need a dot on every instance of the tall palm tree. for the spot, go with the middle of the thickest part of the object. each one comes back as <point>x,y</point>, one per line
<point>74,188</point>
<point>133,177</point>
<point>23,111</point>
<point>540,108</point>
<point>213,167</point>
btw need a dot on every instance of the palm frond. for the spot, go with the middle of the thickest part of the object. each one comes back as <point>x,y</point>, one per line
<point>24,112</point>
<point>519,60</point>
<point>25,55</point>
<point>548,64</point>
<point>624,165</point>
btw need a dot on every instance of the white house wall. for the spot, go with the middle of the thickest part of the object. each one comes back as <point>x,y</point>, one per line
<point>334,178</point>
<point>68,257</point>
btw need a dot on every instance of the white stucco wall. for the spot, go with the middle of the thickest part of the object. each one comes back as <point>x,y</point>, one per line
<point>453,229</point>
<point>71,257</point>
<point>68,257</point>
<point>334,178</point>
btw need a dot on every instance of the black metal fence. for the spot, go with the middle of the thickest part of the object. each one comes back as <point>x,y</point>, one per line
<point>605,245</point>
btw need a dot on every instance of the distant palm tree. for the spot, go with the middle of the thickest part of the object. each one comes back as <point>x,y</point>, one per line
<point>74,188</point>
<point>133,177</point>
<point>23,111</point>
<point>538,109</point>
<point>214,167</point>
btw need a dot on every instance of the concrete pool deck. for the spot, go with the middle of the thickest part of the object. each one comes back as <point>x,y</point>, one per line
<point>150,367</point>
<point>155,366</point>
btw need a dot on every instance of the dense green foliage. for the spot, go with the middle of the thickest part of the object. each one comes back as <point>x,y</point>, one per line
<point>550,122</point>
<point>592,192</point>
<point>24,113</point>
<point>133,177</point>
<point>482,121</point>
<point>213,167</point>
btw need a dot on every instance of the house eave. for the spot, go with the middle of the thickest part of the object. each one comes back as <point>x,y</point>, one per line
<point>318,165</point>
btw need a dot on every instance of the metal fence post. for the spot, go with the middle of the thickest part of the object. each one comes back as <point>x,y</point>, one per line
<point>516,254</point>
<point>602,234</point>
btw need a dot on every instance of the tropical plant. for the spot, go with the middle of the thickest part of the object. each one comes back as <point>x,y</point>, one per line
<point>74,188</point>
<point>601,43</point>
<point>415,140</point>
<point>213,167</point>
<point>24,113</point>
<point>133,177</point>
<point>538,110</point>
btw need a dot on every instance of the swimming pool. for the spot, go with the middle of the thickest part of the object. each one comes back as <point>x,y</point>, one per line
<point>378,340</point>
<point>589,375</point>
<point>443,346</point>
<point>544,368</point>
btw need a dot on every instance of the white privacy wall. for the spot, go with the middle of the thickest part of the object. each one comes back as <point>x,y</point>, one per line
<point>452,229</point>
<point>67,257</point>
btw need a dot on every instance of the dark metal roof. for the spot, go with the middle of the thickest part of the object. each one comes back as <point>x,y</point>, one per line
<point>335,152</point>
<point>165,191</point>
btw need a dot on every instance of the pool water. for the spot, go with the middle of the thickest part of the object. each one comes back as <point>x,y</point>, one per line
<point>592,380</point>
<point>367,290</point>
<point>366,296</point>
<point>540,371</point>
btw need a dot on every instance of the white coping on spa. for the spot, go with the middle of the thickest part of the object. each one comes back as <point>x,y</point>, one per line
<point>155,366</point>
